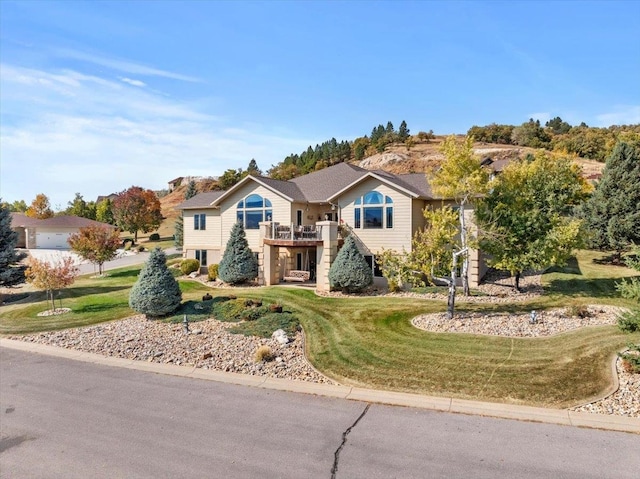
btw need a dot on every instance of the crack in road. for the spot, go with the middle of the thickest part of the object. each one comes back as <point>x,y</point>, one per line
<point>336,455</point>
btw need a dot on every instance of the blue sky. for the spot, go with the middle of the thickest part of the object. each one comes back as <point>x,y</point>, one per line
<point>98,96</point>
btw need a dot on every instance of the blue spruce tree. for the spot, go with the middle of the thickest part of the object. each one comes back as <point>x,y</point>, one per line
<point>350,271</point>
<point>238,263</point>
<point>156,292</point>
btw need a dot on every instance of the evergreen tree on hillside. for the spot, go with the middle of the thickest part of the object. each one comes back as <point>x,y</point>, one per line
<point>350,272</point>
<point>191,190</point>
<point>238,263</point>
<point>612,213</point>
<point>156,292</point>
<point>253,169</point>
<point>403,131</point>
<point>11,273</point>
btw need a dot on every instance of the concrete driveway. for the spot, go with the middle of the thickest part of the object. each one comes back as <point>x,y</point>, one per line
<point>124,258</point>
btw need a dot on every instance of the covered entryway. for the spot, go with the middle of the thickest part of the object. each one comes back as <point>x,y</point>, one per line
<point>52,240</point>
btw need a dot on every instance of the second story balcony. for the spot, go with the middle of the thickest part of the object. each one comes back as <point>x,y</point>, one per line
<point>293,233</point>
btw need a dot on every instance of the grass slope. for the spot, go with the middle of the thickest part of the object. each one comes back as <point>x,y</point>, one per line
<point>371,342</point>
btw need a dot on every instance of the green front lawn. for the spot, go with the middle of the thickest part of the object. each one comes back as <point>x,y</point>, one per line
<point>370,341</point>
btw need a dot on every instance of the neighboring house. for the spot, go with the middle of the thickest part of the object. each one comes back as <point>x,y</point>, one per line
<point>173,184</point>
<point>294,225</point>
<point>51,233</point>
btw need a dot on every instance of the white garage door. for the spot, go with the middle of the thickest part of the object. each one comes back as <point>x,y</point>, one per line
<point>52,240</point>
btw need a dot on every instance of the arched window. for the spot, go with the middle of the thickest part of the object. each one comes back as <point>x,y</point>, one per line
<point>252,210</point>
<point>373,210</point>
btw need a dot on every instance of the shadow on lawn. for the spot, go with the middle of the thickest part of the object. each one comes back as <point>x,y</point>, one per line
<point>584,287</point>
<point>572,267</point>
<point>131,273</point>
<point>96,308</point>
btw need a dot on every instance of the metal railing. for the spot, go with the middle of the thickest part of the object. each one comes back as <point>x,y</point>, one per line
<point>295,233</point>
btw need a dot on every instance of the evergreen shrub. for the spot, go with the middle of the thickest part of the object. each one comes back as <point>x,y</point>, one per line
<point>238,263</point>
<point>156,292</point>
<point>190,265</point>
<point>212,271</point>
<point>154,237</point>
<point>350,271</point>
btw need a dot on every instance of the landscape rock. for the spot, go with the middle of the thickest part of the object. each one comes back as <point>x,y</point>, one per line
<point>280,336</point>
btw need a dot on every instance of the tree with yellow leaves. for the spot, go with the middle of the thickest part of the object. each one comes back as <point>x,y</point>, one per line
<point>40,208</point>
<point>462,178</point>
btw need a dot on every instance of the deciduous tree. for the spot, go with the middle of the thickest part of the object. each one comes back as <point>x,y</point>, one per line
<point>156,292</point>
<point>526,220</point>
<point>51,276</point>
<point>462,178</point>
<point>136,210</point>
<point>40,207</point>
<point>104,212</point>
<point>229,178</point>
<point>97,244</point>
<point>11,272</point>
<point>79,207</point>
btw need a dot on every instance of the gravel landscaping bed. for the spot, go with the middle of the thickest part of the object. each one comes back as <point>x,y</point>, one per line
<point>497,287</point>
<point>208,345</point>
<point>517,325</point>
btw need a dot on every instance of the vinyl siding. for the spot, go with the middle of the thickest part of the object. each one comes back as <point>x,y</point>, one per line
<point>395,238</point>
<point>228,212</point>
<point>208,238</point>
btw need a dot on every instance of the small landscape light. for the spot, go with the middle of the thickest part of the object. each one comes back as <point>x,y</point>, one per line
<point>534,317</point>
<point>185,325</point>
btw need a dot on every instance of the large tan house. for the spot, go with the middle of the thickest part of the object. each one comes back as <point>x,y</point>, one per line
<point>294,225</point>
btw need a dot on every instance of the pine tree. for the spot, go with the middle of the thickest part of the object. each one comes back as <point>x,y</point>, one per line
<point>156,292</point>
<point>403,131</point>
<point>253,169</point>
<point>191,190</point>
<point>350,271</point>
<point>238,263</point>
<point>10,273</point>
<point>612,213</point>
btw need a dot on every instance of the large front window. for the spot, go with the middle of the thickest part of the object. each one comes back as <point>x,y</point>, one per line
<point>252,210</point>
<point>373,210</point>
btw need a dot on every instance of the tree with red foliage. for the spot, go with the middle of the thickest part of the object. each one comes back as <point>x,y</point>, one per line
<point>51,277</point>
<point>96,244</point>
<point>137,209</point>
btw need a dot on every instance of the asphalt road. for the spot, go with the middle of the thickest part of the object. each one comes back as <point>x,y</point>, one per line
<point>61,418</point>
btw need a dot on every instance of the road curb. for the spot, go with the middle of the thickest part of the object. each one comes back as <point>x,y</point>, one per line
<point>435,403</point>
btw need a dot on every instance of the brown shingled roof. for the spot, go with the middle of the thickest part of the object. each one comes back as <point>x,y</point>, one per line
<point>320,186</point>
<point>325,183</point>
<point>62,221</point>
<point>201,200</point>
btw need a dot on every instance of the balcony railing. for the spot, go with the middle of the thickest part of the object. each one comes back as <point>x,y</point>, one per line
<point>295,233</point>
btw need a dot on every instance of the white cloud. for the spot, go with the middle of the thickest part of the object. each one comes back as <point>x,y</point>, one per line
<point>621,115</point>
<point>133,82</point>
<point>123,65</point>
<point>67,132</point>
